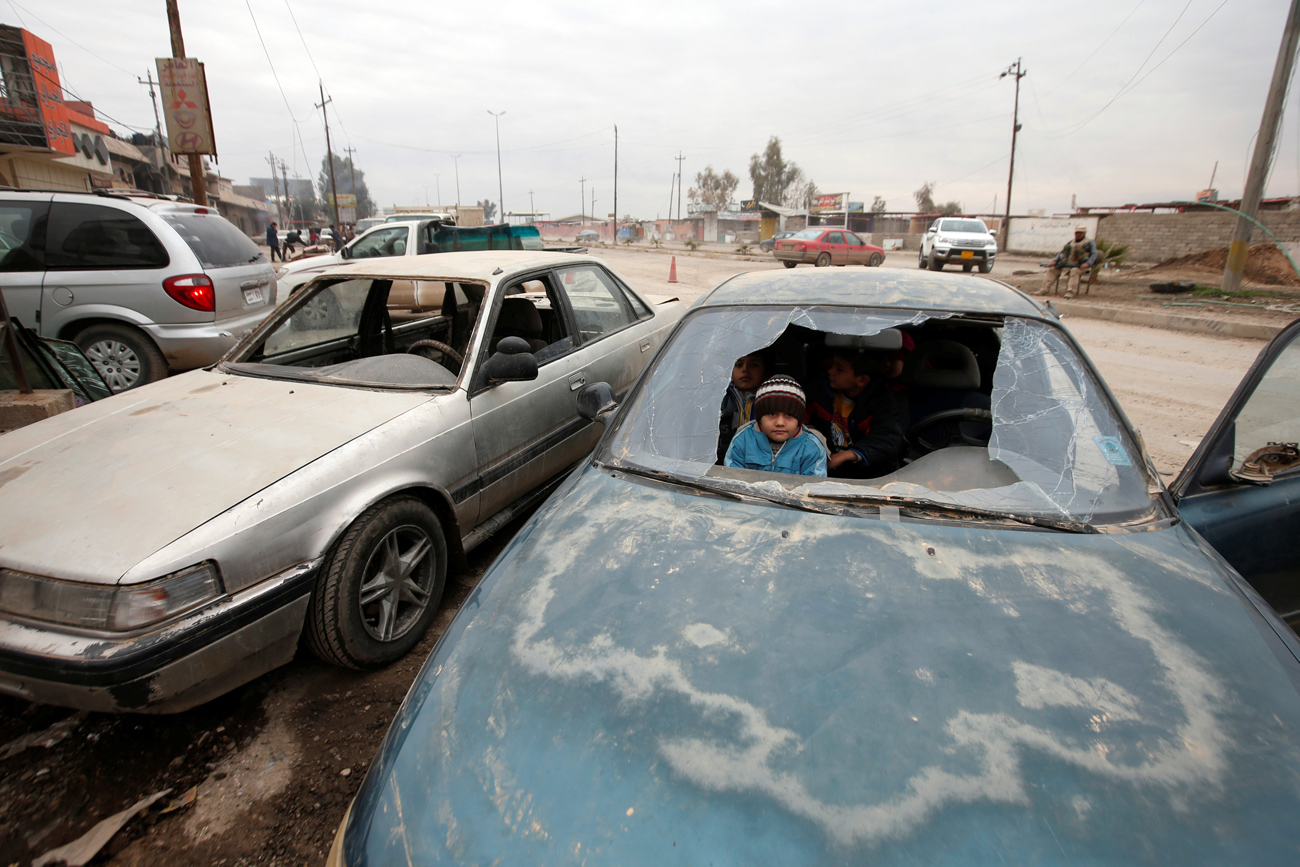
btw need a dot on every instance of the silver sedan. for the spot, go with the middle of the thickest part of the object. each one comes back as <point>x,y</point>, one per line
<point>168,544</point>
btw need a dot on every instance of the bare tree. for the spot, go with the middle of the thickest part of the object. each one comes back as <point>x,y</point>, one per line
<point>800,192</point>
<point>712,189</point>
<point>878,205</point>
<point>489,210</point>
<point>926,204</point>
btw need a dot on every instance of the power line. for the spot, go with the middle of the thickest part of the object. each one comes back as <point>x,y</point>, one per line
<point>17,6</point>
<point>1097,49</point>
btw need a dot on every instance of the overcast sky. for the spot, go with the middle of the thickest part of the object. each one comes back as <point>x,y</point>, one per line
<point>1125,101</point>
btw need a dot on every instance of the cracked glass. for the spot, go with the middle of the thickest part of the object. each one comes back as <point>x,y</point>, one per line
<point>1058,449</point>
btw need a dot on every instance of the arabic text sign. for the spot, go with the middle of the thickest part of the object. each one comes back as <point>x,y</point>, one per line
<point>49,95</point>
<point>185,105</point>
<point>829,202</point>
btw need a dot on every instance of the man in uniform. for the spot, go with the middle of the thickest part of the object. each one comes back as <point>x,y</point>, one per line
<point>1077,257</point>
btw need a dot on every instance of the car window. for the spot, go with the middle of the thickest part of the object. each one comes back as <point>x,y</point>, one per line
<point>808,235</point>
<point>850,238</point>
<point>331,313</point>
<point>1056,446</point>
<point>963,226</point>
<point>528,310</point>
<point>1272,413</point>
<point>22,231</point>
<point>599,305</point>
<point>215,242</point>
<point>834,238</point>
<point>390,241</point>
<point>94,237</point>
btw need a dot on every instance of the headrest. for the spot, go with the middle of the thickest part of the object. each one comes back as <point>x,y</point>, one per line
<point>519,314</point>
<point>942,364</point>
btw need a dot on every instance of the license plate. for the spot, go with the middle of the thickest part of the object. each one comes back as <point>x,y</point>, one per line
<point>967,254</point>
<point>253,296</point>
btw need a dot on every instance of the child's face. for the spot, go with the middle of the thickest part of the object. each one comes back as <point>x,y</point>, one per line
<point>842,377</point>
<point>779,427</point>
<point>748,374</point>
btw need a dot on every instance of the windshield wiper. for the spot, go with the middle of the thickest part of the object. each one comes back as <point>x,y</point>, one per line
<point>912,504</point>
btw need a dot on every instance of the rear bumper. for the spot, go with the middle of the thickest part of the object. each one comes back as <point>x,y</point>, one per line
<point>198,344</point>
<point>177,667</point>
<point>795,256</point>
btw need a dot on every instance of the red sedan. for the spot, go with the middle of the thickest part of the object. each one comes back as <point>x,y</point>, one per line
<point>822,247</point>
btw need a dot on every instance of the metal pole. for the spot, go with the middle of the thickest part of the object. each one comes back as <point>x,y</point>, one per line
<point>329,153</point>
<point>288,200</point>
<point>532,209</point>
<point>615,185</point>
<point>501,196</point>
<point>1262,159</point>
<point>157,118</point>
<point>456,160</point>
<point>1015,128</point>
<point>198,182</point>
<point>679,159</point>
<point>352,178</point>
<point>582,199</point>
<point>275,185</point>
<point>437,180</point>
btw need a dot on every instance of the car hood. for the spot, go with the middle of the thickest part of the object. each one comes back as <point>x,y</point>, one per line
<point>650,676</point>
<point>88,494</point>
<point>310,263</point>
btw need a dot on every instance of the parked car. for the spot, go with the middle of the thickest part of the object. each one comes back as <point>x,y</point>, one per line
<point>144,285</point>
<point>963,241</point>
<point>767,244</point>
<point>413,238</point>
<point>1011,650</point>
<point>823,247</point>
<point>161,547</point>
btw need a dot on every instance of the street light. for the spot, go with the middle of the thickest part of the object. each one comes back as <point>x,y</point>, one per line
<point>501,196</point>
<point>456,159</point>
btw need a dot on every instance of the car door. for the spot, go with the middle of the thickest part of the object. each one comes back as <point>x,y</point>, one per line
<point>523,430</point>
<point>834,242</point>
<point>855,250</point>
<point>22,261</point>
<point>1241,489</point>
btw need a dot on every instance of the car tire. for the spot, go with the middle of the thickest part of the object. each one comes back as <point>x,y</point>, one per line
<point>986,267</point>
<point>920,259</point>
<point>321,313</point>
<point>875,261</point>
<point>787,263</point>
<point>967,268</point>
<point>124,356</point>
<point>934,263</point>
<point>823,261</point>
<point>379,587</point>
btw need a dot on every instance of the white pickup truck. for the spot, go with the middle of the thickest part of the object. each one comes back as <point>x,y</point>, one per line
<point>964,241</point>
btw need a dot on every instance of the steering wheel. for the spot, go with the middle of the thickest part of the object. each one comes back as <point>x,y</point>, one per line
<point>432,348</point>
<point>951,421</point>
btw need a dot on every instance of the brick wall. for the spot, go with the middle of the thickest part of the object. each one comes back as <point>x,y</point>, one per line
<point>1157,237</point>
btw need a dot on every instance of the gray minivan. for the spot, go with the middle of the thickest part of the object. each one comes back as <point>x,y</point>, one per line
<point>143,284</point>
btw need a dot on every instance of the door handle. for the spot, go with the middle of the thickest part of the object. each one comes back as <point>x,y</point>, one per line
<point>645,345</point>
<point>577,381</point>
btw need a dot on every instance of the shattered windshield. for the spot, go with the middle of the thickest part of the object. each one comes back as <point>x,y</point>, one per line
<point>995,415</point>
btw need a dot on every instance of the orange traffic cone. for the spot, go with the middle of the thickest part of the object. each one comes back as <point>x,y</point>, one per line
<point>672,271</point>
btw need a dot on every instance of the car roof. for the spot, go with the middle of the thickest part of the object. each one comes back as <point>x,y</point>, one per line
<point>872,287</point>
<point>479,265</point>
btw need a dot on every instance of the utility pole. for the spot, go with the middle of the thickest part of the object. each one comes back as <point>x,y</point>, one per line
<point>501,196</point>
<point>1019,73</point>
<point>615,185</point>
<point>593,204</point>
<point>437,180</point>
<point>329,153</point>
<point>672,183</point>
<point>456,159</point>
<point>157,118</point>
<point>532,209</point>
<point>679,159</point>
<point>198,182</point>
<point>288,201</point>
<point>582,199</point>
<point>1262,159</point>
<point>352,178</point>
<point>275,186</point>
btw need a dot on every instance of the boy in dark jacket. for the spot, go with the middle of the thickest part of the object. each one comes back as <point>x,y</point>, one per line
<point>857,412</point>
<point>738,403</point>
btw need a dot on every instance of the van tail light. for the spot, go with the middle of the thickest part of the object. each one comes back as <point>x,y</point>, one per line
<point>195,291</point>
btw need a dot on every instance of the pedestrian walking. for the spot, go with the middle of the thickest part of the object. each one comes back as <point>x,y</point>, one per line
<point>293,240</point>
<point>273,241</point>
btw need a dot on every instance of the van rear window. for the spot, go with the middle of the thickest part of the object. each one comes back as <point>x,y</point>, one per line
<point>215,242</point>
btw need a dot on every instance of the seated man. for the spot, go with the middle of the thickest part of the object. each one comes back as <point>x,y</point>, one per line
<point>776,441</point>
<point>1077,257</point>
<point>856,410</point>
<point>738,403</point>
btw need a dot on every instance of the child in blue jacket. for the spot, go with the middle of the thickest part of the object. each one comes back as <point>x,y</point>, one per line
<point>776,439</point>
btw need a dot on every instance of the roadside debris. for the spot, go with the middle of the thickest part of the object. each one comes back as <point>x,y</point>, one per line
<point>47,738</point>
<point>87,846</point>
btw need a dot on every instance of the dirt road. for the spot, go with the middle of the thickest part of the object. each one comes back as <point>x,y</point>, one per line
<point>273,765</point>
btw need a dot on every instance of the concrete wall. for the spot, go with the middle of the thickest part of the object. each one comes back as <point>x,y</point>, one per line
<point>1151,237</point>
<point>1044,235</point>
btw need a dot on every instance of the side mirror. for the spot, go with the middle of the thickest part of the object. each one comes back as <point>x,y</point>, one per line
<point>346,252</point>
<point>512,362</point>
<point>596,402</point>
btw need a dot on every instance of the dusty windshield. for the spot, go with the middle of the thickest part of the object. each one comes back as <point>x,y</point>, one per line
<point>964,226</point>
<point>367,332</point>
<point>997,415</point>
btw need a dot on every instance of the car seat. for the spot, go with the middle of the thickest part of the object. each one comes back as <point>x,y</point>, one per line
<point>519,318</point>
<point>942,375</point>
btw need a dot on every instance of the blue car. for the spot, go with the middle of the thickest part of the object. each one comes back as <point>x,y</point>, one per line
<point>1018,647</point>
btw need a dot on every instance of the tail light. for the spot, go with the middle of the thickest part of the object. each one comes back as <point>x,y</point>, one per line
<point>195,291</point>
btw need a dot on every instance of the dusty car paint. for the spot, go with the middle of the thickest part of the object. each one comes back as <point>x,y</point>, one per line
<point>660,693</point>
